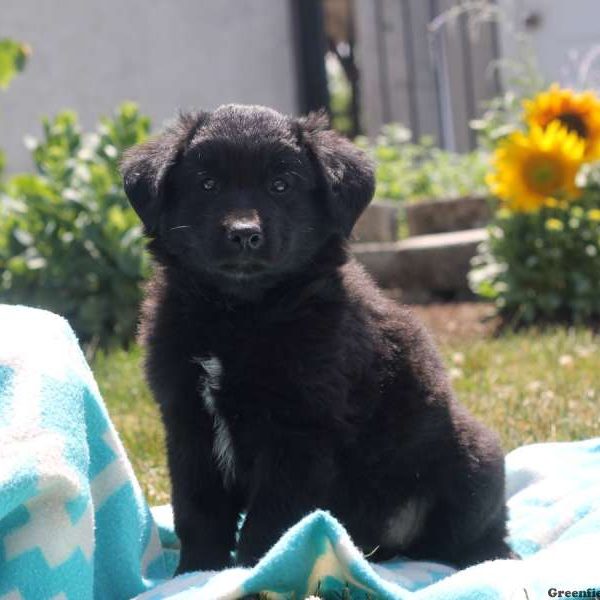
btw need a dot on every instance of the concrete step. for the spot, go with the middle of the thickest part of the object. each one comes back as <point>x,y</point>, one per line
<point>426,265</point>
<point>379,223</point>
<point>440,216</point>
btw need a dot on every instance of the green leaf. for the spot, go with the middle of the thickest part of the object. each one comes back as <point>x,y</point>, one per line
<point>23,237</point>
<point>13,56</point>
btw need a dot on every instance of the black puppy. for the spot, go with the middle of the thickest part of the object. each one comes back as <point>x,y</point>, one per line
<point>287,381</point>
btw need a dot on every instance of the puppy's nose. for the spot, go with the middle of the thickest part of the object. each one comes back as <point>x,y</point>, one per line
<point>246,236</point>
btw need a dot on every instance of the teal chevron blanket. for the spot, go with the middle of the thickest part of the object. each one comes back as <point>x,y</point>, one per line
<point>74,524</point>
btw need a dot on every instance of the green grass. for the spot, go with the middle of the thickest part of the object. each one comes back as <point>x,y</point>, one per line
<point>136,418</point>
<point>530,387</point>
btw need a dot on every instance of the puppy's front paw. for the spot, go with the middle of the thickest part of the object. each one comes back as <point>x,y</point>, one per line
<point>192,560</point>
<point>245,557</point>
<point>252,548</point>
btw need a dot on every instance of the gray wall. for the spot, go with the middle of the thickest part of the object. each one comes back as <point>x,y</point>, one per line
<point>564,36</point>
<point>165,54</point>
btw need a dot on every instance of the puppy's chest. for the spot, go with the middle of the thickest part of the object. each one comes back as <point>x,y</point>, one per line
<point>210,382</point>
<point>241,409</point>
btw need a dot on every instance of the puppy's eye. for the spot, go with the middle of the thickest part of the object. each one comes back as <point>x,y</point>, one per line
<point>209,184</point>
<point>279,186</point>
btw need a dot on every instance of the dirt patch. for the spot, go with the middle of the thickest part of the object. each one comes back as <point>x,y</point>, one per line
<point>450,321</point>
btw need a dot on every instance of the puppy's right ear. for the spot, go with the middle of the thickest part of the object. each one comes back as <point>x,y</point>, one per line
<point>145,167</point>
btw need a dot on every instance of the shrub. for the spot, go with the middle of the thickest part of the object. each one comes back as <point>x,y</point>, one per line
<point>69,241</point>
<point>543,265</point>
<point>410,171</point>
<point>13,57</point>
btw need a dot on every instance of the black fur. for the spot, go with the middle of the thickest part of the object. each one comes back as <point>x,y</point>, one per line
<point>263,333</point>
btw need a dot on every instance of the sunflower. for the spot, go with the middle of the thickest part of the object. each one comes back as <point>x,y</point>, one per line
<point>578,112</point>
<point>530,169</point>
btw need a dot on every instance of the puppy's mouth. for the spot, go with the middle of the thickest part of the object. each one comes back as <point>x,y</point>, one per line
<point>243,269</point>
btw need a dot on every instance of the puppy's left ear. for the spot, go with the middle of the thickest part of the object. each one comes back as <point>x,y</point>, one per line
<point>346,172</point>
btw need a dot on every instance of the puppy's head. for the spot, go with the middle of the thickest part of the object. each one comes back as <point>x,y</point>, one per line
<point>245,193</point>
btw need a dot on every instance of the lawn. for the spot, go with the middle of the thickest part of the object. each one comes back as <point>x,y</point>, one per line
<point>532,386</point>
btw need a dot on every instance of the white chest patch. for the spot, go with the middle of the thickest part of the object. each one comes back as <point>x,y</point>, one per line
<point>222,443</point>
<point>406,523</point>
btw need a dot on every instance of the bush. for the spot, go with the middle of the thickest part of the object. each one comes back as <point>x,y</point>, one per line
<point>69,241</point>
<point>13,57</point>
<point>410,171</point>
<point>545,265</point>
